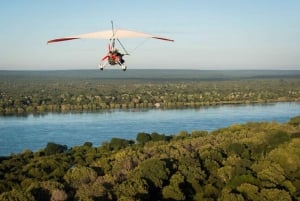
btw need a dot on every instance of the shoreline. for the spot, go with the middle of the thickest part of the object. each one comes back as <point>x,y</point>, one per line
<point>162,106</point>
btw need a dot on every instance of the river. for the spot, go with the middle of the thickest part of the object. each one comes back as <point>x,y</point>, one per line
<point>33,132</point>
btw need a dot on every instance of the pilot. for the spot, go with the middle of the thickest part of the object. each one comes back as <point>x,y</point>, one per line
<point>118,55</point>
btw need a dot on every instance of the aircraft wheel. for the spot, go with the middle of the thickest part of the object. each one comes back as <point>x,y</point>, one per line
<point>124,67</point>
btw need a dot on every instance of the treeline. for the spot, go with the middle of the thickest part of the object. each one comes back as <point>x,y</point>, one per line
<point>42,94</point>
<point>253,161</point>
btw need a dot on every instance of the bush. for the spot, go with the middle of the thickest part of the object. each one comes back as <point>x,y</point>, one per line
<point>53,148</point>
<point>158,137</point>
<point>117,143</point>
<point>142,138</point>
<point>295,121</point>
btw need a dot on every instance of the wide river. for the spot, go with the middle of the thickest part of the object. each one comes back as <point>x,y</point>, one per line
<point>34,132</point>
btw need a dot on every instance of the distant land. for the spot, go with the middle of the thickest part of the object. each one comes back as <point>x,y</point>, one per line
<point>25,92</point>
<point>148,74</point>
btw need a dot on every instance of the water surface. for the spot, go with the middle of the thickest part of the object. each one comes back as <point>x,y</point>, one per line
<point>34,132</point>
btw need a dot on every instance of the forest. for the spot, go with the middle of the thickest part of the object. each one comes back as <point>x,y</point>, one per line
<point>36,92</point>
<point>257,161</point>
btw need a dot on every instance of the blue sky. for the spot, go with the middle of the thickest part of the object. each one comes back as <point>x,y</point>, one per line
<point>211,34</point>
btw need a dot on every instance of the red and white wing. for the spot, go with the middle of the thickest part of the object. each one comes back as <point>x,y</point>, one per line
<point>119,33</point>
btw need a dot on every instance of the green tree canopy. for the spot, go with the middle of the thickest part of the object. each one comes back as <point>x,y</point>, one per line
<point>53,148</point>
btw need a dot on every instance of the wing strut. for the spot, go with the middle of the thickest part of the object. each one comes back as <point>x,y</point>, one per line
<point>112,28</point>
<point>126,53</point>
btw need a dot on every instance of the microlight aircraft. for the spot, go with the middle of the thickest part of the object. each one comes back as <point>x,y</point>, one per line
<point>113,56</point>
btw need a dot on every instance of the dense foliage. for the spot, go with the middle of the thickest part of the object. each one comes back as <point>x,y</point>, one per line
<point>253,161</point>
<point>77,91</point>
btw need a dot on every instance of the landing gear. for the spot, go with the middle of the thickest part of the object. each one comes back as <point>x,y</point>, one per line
<point>124,67</point>
<point>101,66</point>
